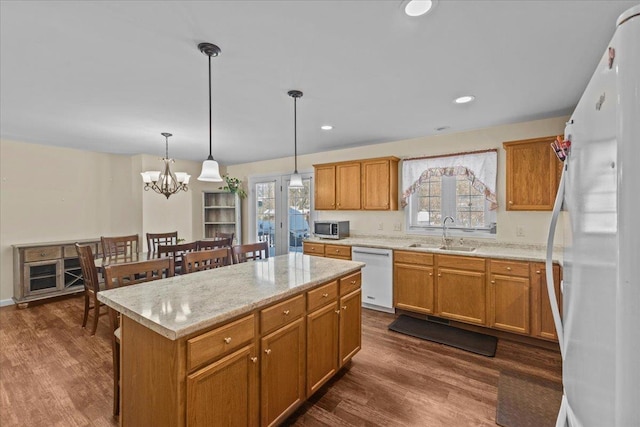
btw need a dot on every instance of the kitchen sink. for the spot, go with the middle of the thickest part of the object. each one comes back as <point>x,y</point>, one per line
<point>457,248</point>
<point>421,245</point>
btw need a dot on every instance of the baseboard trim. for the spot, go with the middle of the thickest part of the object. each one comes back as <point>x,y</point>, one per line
<point>6,302</point>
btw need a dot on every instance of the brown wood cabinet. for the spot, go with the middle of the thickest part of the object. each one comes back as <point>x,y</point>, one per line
<point>327,250</point>
<point>413,278</point>
<point>370,184</point>
<point>532,174</point>
<point>461,289</point>
<point>350,334</point>
<point>542,325</point>
<point>509,300</point>
<point>313,248</point>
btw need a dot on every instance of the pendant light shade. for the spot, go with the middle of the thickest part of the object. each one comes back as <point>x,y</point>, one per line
<point>210,170</point>
<point>296,180</point>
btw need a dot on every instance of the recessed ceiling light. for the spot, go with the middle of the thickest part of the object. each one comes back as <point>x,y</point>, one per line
<point>326,127</point>
<point>418,7</point>
<point>464,99</point>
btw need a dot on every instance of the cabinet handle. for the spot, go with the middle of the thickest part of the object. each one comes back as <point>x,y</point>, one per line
<point>337,250</point>
<point>337,311</point>
<point>439,275</point>
<point>344,307</point>
<point>43,254</point>
<point>325,295</point>
<point>537,271</point>
<point>227,340</point>
<point>353,282</point>
<point>286,312</point>
<point>508,268</point>
<point>430,274</point>
<point>510,202</point>
<point>268,351</point>
<point>254,359</point>
<point>493,281</point>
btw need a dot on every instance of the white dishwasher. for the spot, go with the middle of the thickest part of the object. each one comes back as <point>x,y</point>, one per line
<point>377,277</point>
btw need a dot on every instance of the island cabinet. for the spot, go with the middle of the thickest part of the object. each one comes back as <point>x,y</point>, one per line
<point>509,299</point>
<point>350,336</point>
<point>413,278</point>
<point>327,250</point>
<point>461,289</point>
<point>542,325</point>
<point>369,184</point>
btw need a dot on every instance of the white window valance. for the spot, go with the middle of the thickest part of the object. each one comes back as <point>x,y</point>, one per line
<point>480,167</point>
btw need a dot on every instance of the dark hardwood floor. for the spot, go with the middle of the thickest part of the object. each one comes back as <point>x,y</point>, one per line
<point>53,373</point>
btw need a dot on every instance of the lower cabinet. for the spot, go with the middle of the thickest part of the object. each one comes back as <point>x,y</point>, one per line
<point>233,381</point>
<point>413,281</point>
<point>542,325</point>
<point>322,345</point>
<point>461,289</point>
<point>282,372</point>
<point>509,300</point>
<point>350,340</point>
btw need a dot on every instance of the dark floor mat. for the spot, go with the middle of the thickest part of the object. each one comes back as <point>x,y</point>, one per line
<point>527,401</point>
<point>445,334</point>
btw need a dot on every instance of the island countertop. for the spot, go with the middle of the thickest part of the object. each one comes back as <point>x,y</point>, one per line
<point>181,305</point>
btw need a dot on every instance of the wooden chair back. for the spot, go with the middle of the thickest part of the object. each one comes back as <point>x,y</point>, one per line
<point>156,239</point>
<point>230,236</point>
<point>115,276</point>
<point>206,259</point>
<point>119,245</point>
<point>250,251</point>
<point>177,252</point>
<point>214,243</point>
<point>88,267</point>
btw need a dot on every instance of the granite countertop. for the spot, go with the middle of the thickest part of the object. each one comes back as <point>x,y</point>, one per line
<point>181,305</point>
<point>484,249</point>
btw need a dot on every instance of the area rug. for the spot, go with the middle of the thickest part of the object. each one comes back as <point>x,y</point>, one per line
<point>445,334</point>
<point>527,401</point>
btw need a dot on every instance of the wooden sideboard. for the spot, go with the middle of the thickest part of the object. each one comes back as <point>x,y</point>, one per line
<point>47,270</point>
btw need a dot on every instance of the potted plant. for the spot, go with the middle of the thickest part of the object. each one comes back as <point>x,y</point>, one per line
<point>233,185</point>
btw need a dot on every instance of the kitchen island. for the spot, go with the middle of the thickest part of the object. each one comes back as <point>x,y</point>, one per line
<point>244,344</point>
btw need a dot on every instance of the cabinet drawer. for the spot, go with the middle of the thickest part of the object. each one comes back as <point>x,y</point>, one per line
<point>42,253</point>
<point>212,344</point>
<point>337,251</point>
<point>281,314</point>
<point>509,268</point>
<point>322,295</point>
<point>409,257</point>
<point>70,251</point>
<point>461,262</point>
<point>350,283</point>
<point>313,248</point>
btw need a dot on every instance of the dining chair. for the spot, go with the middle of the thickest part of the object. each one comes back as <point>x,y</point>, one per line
<point>250,251</point>
<point>118,275</point>
<point>91,286</point>
<point>206,259</point>
<point>220,235</point>
<point>214,243</point>
<point>176,252</point>
<point>119,245</point>
<point>155,239</point>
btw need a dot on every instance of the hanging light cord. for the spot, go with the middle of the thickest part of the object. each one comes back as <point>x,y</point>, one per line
<point>295,134</point>
<point>166,150</point>
<point>210,115</point>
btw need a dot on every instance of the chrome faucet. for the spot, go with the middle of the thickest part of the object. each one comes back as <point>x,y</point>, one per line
<point>444,230</point>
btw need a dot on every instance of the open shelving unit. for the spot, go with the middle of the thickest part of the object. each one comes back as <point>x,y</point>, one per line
<point>221,214</point>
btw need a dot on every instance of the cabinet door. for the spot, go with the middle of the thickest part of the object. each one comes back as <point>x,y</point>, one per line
<point>413,287</point>
<point>509,303</point>
<point>348,186</point>
<point>350,325</point>
<point>461,295</point>
<point>532,174</point>
<point>542,325</point>
<point>325,187</point>
<point>322,346</point>
<point>283,372</point>
<point>232,380</point>
<point>42,277</point>
<point>376,185</point>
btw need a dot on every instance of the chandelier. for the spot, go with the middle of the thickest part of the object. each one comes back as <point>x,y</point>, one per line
<point>165,182</point>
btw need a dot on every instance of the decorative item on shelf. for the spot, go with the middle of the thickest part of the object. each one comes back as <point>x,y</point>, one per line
<point>296,180</point>
<point>165,182</point>
<point>233,185</point>
<point>210,170</point>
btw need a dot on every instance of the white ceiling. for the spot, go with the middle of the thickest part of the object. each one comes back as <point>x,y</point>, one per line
<point>111,76</point>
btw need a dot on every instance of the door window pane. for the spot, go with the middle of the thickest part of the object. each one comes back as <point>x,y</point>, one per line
<point>299,215</point>
<point>266,214</point>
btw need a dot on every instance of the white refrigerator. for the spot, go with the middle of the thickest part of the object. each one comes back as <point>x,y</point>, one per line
<point>599,333</point>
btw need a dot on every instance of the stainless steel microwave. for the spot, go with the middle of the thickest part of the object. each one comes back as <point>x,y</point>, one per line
<point>331,229</point>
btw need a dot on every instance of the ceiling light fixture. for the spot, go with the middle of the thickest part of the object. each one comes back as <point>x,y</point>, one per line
<point>464,99</point>
<point>210,170</point>
<point>165,182</point>
<point>326,127</point>
<point>296,179</point>
<point>418,7</point>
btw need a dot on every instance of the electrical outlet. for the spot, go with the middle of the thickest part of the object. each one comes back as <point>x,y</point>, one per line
<point>397,226</point>
<point>380,226</point>
<point>520,231</point>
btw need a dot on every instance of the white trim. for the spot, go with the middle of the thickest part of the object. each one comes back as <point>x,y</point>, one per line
<point>6,302</point>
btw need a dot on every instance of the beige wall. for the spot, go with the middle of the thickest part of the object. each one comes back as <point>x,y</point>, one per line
<point>51,193</point>
<point>534,224</point>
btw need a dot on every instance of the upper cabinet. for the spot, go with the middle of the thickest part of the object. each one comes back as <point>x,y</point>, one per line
<point>533,173</point>
<point>370,184</point>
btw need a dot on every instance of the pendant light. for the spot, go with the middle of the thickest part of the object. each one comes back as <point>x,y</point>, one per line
<point>165,182</point>
<point>296,180</point>
<point>210,170</point>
